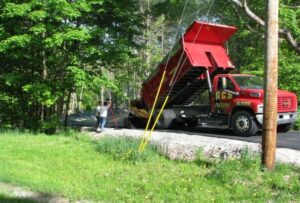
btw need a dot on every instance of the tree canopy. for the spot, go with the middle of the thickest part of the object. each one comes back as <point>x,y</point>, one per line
<point>48,48</point>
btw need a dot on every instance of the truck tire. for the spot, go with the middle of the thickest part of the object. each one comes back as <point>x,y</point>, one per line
<point>283,128</point>
<point>243,124</point>
<point>166,119</point>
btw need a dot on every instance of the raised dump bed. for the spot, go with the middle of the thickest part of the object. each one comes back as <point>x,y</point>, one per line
<point>201,49</point>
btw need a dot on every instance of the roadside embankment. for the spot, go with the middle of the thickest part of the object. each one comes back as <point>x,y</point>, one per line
<point>185,146</point>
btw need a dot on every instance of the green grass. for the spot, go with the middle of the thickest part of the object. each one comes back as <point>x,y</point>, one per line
<point>111,170</point>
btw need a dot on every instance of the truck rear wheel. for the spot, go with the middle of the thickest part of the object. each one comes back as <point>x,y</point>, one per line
<point>166,119</point>
<point>243,124</point>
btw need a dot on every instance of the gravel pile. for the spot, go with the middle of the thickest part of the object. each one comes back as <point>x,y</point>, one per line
<point>184,146</point>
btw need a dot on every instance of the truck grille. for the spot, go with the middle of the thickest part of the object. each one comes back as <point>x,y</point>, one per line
<point>285,103</point>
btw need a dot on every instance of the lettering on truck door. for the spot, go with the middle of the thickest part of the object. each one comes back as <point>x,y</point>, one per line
<point>223,95</point>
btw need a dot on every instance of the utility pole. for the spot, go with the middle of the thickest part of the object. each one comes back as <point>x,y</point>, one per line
<point>271,79</point>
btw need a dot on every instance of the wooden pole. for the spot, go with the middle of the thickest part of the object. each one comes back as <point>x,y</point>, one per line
<point>271,79</point>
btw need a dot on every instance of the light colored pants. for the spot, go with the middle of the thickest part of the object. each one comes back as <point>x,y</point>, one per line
<point>102,122</point>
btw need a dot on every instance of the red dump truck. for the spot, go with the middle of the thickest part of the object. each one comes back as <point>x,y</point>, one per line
<point>203,93</point>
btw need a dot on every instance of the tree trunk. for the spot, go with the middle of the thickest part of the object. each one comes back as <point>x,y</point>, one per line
<point>67,109</point>
<point>148,20</point>
<point>111,77</point>
<point>59,107</point>
<point>102,94</point>
<point>80,97</point>
<point>44,77</point>
<point>162,40</point>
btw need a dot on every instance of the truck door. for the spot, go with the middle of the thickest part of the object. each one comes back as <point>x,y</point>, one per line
<point>223,95</point>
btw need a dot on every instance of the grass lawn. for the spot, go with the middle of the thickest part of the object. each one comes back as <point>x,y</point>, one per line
<point>111,170</point>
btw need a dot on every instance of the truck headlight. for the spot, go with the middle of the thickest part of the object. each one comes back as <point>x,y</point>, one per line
<point>260,108</point>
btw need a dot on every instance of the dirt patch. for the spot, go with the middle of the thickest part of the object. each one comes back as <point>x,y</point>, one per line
<point>18,194</point>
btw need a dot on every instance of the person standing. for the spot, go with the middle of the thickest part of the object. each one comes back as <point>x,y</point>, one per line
<point>101,115</point>
<point>98,108</point>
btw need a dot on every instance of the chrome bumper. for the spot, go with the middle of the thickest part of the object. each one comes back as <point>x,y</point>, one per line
<point>282,118</point>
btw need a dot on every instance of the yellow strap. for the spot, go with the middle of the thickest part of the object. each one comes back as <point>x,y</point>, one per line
<point>157,118</point>
<point>152,110</point>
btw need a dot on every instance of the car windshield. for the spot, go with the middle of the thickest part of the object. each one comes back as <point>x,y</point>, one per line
<point>249,82</point>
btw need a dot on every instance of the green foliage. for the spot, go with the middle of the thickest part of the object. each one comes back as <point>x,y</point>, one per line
<point>77,76</point>
<point>12,10</point>
<point>42,93</point>
<point>125,149</point>
<point>51,125</point>
<point>297,124</point>
<point>104,80</point>
<point>51,48</point>
<point>71,35</point>
<point>17,41</point>
<point>289,70</point>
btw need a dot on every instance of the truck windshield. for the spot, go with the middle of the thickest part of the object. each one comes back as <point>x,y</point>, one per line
<point>249,82</point>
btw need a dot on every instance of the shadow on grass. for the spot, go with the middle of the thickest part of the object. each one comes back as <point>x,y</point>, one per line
<point>37,197</point>
<point>11,193</point>
<point>16,200</point>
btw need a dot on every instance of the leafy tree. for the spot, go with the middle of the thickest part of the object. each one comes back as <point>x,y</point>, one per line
<point>50,48</point>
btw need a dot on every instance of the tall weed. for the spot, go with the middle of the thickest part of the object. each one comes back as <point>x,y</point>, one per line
<point>125,149</point>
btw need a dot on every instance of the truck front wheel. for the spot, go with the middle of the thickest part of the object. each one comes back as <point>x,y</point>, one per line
<point>243,124</point>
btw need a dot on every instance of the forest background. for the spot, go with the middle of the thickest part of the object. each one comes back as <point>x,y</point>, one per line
<point>59,56</point>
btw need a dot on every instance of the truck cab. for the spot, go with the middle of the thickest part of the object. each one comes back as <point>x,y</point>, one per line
<point>239,97</point>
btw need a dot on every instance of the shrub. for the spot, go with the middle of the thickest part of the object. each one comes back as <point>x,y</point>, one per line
<point>125,149</point>
<point>297,123</point>
<point>51,125</point>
